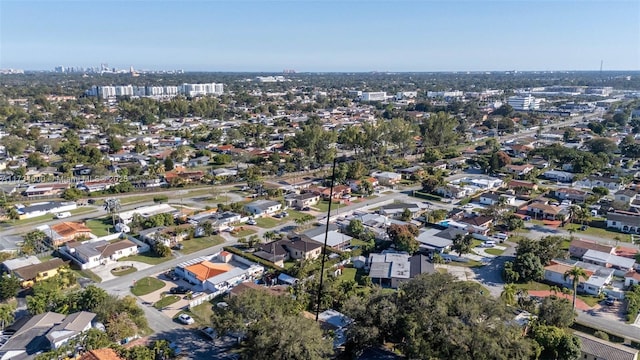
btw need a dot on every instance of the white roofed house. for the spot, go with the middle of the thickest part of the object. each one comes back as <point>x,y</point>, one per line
<point>612,184</point>
<point>262,207</point>
<point>620,265</point>
<point>98,185</point>
<point>146,211</point>
<point>90,254</point>
<point>387,178</point>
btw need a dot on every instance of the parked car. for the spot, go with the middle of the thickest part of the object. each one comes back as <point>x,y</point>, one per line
<point>186,319</point>
<point>488,244</point>
<point>468,206</point>
<point>209,332</point>
<point>171,275</point>
<point>583,228</point>
<point>63,215</point>
<point>306,208</point>
<point>179,290</point>
<point>178,247</point>
<point>610,301</point>
<point>251,221</point>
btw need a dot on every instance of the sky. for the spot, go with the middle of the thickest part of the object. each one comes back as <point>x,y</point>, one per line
<point>322,35</point>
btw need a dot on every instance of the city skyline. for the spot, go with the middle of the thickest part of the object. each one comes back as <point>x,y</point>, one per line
<point>323,36</point>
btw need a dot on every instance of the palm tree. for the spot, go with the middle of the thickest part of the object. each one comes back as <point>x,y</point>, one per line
<point>6,315</point>
<point>112,206</point>
<point>508,295</point>
<point>575,273</point>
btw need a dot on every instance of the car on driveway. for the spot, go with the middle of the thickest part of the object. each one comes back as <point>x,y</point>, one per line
<point>251,221</point>
<point>610,301</point>
<point>209,332</point>
<point>186,319</point>
<point>468,206</point>
<point>179,290</point>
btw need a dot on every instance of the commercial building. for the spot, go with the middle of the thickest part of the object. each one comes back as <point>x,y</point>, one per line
<point>524,103</point>
<point>373,96</point>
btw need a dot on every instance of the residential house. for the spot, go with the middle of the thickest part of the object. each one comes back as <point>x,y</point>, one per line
<point>145,212</point>
<point>94,253</point>
<point>626,196</point>
<point>279,251</point>
<point>571,194</point>
<point>301,201</point>
<point>166,235</point>
<point>261,208</point>
<point>625,221</point>
<point>392,269</point>
<point>219,273</point>
<point>593,348</point>
<point>28,336</point>
<point>12,264</point>
<point>98,185</point>
<point>478,224</point>
<point>199,272</point>
<point>593,181</point>
<point>519,170</point>
<point>437,240</point>
<point>452,191</point>
<point>101,354</point>
<point>199,161</point>
<point>66,231</point>
<point>522,185</point>
<point>417,171</point>
<point>355,184</point>
<point>44,208</point>
<point>31,274</point>
<point>387,178</point>
<point>561,176</point>
<point>334,239</point>
<point>594,284</point>
<point>544,211</point>
<point>71,327</point>
<point>396,210</point>
<point>48,189</point>
<point>631,278</point>
<point>579,247</point>
<point>492,198</point>
<point>620,265</point>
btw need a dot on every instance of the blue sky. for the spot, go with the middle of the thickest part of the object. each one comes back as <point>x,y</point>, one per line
<point>348,35</point>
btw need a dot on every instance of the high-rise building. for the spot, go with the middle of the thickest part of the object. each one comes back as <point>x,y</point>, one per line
<point>373,96</point>
<point>524,103</point>
<point>155,90</point>
<point>126,90</point>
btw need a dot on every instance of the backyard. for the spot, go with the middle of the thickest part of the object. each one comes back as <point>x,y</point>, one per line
<point>100,226</point>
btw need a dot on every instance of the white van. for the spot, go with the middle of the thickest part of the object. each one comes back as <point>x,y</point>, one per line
<point>488,244</point>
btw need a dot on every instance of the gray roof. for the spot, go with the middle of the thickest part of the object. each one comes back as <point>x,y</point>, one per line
<point>263,204</point>
<point>420,265</point>
<point>390,265</point>
<point>71,326</point>
<point>599,256</point>
<point>320,230</point>
<point>30,337</point>
<point>629,219</point>
<point>602,349</point>
<point>13,264</point>
<point>43,206</point>
<point>433,238</point>
<point>334,238</point>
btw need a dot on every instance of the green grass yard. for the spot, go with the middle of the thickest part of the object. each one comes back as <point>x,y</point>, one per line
<point>496,252</point>
<point>267,222</point>
<point>243,233</point>
<point>147,258</point>
<point>101,226</point>
<point>126,271</point>
<point>202,313</point>
<point>166,301</point>
<point>598,232</point>
<point>323,206</point>
<point>146,286</point>
<point>197,244</point>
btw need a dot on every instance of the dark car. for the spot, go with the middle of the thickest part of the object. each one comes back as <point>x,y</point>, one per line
<point>610,301</point>
<point>179,290</point>
<point>171,275</point>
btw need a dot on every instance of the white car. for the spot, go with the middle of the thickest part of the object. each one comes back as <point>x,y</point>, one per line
<point>468,206</point>
<point>251,222</point>
<point>186,319</point>
<point>63,215</point>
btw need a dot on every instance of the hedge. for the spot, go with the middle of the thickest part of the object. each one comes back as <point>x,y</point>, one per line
<point>423,195</point>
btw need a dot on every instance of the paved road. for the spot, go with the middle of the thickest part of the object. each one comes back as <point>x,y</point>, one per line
<point>539,231</point>
<point>619,328</point>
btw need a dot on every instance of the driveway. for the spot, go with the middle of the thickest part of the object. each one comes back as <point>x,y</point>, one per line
<point>171,310</point>
<point>104,271</point>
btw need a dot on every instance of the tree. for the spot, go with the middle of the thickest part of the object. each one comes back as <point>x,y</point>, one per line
<point>528,267</point>
<point>403,237</point>
<point>121,326</point>
<point>576,273</point>
<point>168,164</point>
<point>508,295</point>
<point>161,249</point>
<point>112,206</point>
<point>95,339</point>
<point>9,287</point>
<point>273,327</point>
<point>72,194</point>
<point>355,228</point>
<point>6,315</point>
<point>34,242</point>
<point>601,145</point>
<point>556,343</point>
<point>366,187</point>
<point>406,215</point>
<point>462,244</point>
<point>555,311</point>
<point>600,191</point>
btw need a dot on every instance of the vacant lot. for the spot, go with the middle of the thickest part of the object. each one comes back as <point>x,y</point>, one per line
<point>147,258</point>
<point>101,226</point>
<point>197,244</point>
<point>146,286</point>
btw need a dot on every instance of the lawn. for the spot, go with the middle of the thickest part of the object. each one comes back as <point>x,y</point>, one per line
<point>589,300</point>
<point>532,285</point>
<point>243,233</point>
<point>323,206</point>
<point>125,271</point>
<point>202,313</point>
<point>166,301</point>
<point>267,222</point>
<point>197,244</point>
<point>147,258</point>
<point>348,274</point>
<point>88,274</point>
<point>493,251</point>
<point>101,226</point>
<point>470,263</point>
<point>146,286</point>
<point>135,199</point>
<point>598,232</point>
<point>475,243</point>
<point>47,217</point>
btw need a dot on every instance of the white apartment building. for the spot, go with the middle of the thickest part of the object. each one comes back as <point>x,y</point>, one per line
<point>524,103</point>
<point>171,90</point>
<point>106,92</point>
<point>374,96</point>
<point>155,91</point>
<point>124,90</point>
<point>406,95</point>
<point>202,89</point>
<point>445,94</point>
<point>139,91</point>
